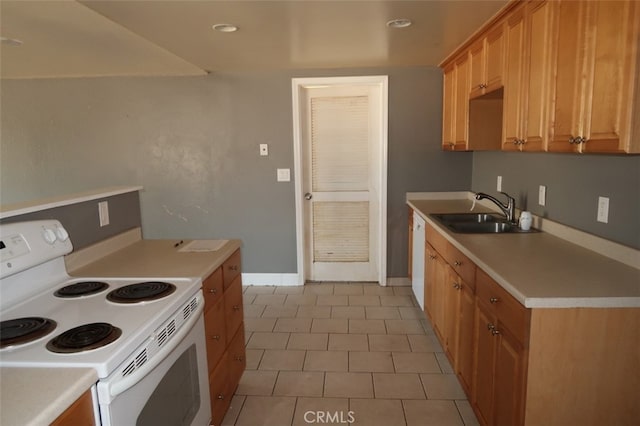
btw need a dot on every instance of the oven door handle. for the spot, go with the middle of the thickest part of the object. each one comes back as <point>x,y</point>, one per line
<point>117,387</point>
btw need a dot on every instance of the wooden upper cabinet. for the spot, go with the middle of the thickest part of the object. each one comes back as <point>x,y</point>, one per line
<point>448,108</point>
<point>486,59</point>
<point>595,64</point>
<point>461,124</point>
<point>527,82</point>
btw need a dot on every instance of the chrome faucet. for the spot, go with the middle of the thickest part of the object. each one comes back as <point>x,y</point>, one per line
<point>509,209</point>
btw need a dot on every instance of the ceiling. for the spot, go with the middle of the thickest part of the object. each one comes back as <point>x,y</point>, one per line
<point>163,37</point>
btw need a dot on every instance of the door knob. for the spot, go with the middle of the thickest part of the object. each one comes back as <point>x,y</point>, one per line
<point>308,196</point>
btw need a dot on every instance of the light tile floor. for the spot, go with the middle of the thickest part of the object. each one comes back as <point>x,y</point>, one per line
<point>340,353</point>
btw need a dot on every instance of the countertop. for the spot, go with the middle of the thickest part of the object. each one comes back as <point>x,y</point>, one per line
<point>539,269</point>
<point>37,396</point>
<point>158,259</point>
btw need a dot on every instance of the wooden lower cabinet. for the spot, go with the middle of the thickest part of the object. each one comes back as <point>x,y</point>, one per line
<point>532,367</point>
<point>224,329</point>
<point>79,413</point>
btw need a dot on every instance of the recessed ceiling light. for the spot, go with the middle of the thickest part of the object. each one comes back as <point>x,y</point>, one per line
<point>225,28</point>
<point>399,23</point>
<point>10,41</point>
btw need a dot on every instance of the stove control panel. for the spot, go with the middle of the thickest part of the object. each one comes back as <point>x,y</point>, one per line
<point>24,245</point>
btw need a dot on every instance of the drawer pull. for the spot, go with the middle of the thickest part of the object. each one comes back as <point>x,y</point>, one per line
<point>236,308</point>
<point>432,257</point>
<point>490,326</point>
<point>213,290</point>
<point>457,263</point>
<point>495,332</point>
<point>457,286</point>
<point>493,300</point>
<point>216,337</point>
<point>233,267</point>
<point>221,396</point>
<point>238,358</point>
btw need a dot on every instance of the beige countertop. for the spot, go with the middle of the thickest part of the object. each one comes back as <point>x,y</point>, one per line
<point>37,396</point>
<point>158,258</point>
<point>539,269</point>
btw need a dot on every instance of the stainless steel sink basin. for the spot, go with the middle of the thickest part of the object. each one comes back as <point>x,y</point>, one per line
<point>467,217</point>
<point>478,223</point>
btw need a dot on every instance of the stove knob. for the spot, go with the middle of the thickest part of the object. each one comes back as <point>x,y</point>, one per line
<point>62,233</point>
<point>48,235</point>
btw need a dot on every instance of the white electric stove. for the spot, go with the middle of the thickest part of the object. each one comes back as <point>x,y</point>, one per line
<point>126,329</point>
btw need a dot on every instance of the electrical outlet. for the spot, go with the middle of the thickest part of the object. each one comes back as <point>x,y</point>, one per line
<point>499,184</point>
<point>264,149</point>
<point>542,195</point>
<point>284,175</point>
<point>603,209</point>
<point>103,213</point>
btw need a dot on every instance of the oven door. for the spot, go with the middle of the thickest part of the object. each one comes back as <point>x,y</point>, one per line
<point>173,392</point>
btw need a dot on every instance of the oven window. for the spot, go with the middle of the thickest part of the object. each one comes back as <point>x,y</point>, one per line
<point>176,400</point>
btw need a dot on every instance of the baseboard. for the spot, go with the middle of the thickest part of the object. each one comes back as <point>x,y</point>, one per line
<point>271,279</point>
<point>398,282</point>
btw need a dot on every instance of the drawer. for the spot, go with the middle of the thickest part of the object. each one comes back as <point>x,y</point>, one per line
<point>231,269</point>
<point>220,391</point>
<point>437,241</point>
<point>233,307</point>
<point>215,331</point>
<point>237,358</point>
<point>509,312</point>
<point>212,289</point>
<point>461,264</point>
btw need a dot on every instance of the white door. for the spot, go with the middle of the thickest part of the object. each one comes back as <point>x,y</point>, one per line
<point>342,173</point>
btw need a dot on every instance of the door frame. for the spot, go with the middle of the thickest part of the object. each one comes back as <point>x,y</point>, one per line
<point>381,82</point>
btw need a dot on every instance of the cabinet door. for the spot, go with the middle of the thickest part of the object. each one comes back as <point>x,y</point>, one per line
<point>212,288</point>
<point>512,106</point>
<point>451,309</point>
<point>237,358</point>
<point>220,392</point>
<point>430,276</point>
<point>215,334</point>
<point>462,104</point>
<point>233,307</point>
<point>509,379</point>
<point>483,364</point>
<point>438,279</point>
<point>448,108</point>
<point>613,32</point>
<point>536,78</point>
<point>494,58</point>
<point>466,323</point>
<point>568,84</point>
<point>231,268</point>
<point>477,65</point>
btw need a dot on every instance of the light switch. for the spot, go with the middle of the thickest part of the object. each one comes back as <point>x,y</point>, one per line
<point>284,175</point>
<point>499,184</point>
<point>264,149</point>
<point>103,213</point>
<point>542,195</point>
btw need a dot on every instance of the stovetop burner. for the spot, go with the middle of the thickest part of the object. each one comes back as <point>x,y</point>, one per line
<point>24,330</point>
<point>84,338</point>
<point>84,288</point>
<point>140,292</point>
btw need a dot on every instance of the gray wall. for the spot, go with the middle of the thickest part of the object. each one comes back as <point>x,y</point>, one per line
<point>82,221</point>
<point>574,183</point>
<point>192,142</point>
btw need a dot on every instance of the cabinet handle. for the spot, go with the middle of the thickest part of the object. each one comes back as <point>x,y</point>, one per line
<point>236,307</point>
<point>580,140</point>
<point>215,337</point>
<point>457,263</point>
<point>495,331</point>
<point>233,268</point>
<point>516,141</point>
<point>493,300</point>
<point>482,86</point>
<point>432,257</point>
<point>523,141</point>
<point>238,358</point>
<point>457,286</point>
<point>213,290</point>
<point>490,326</point>
<point>221,397</point>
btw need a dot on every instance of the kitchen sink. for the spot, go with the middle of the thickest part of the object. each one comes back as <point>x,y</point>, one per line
<point>478,223</point>
<point>467,217</point>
